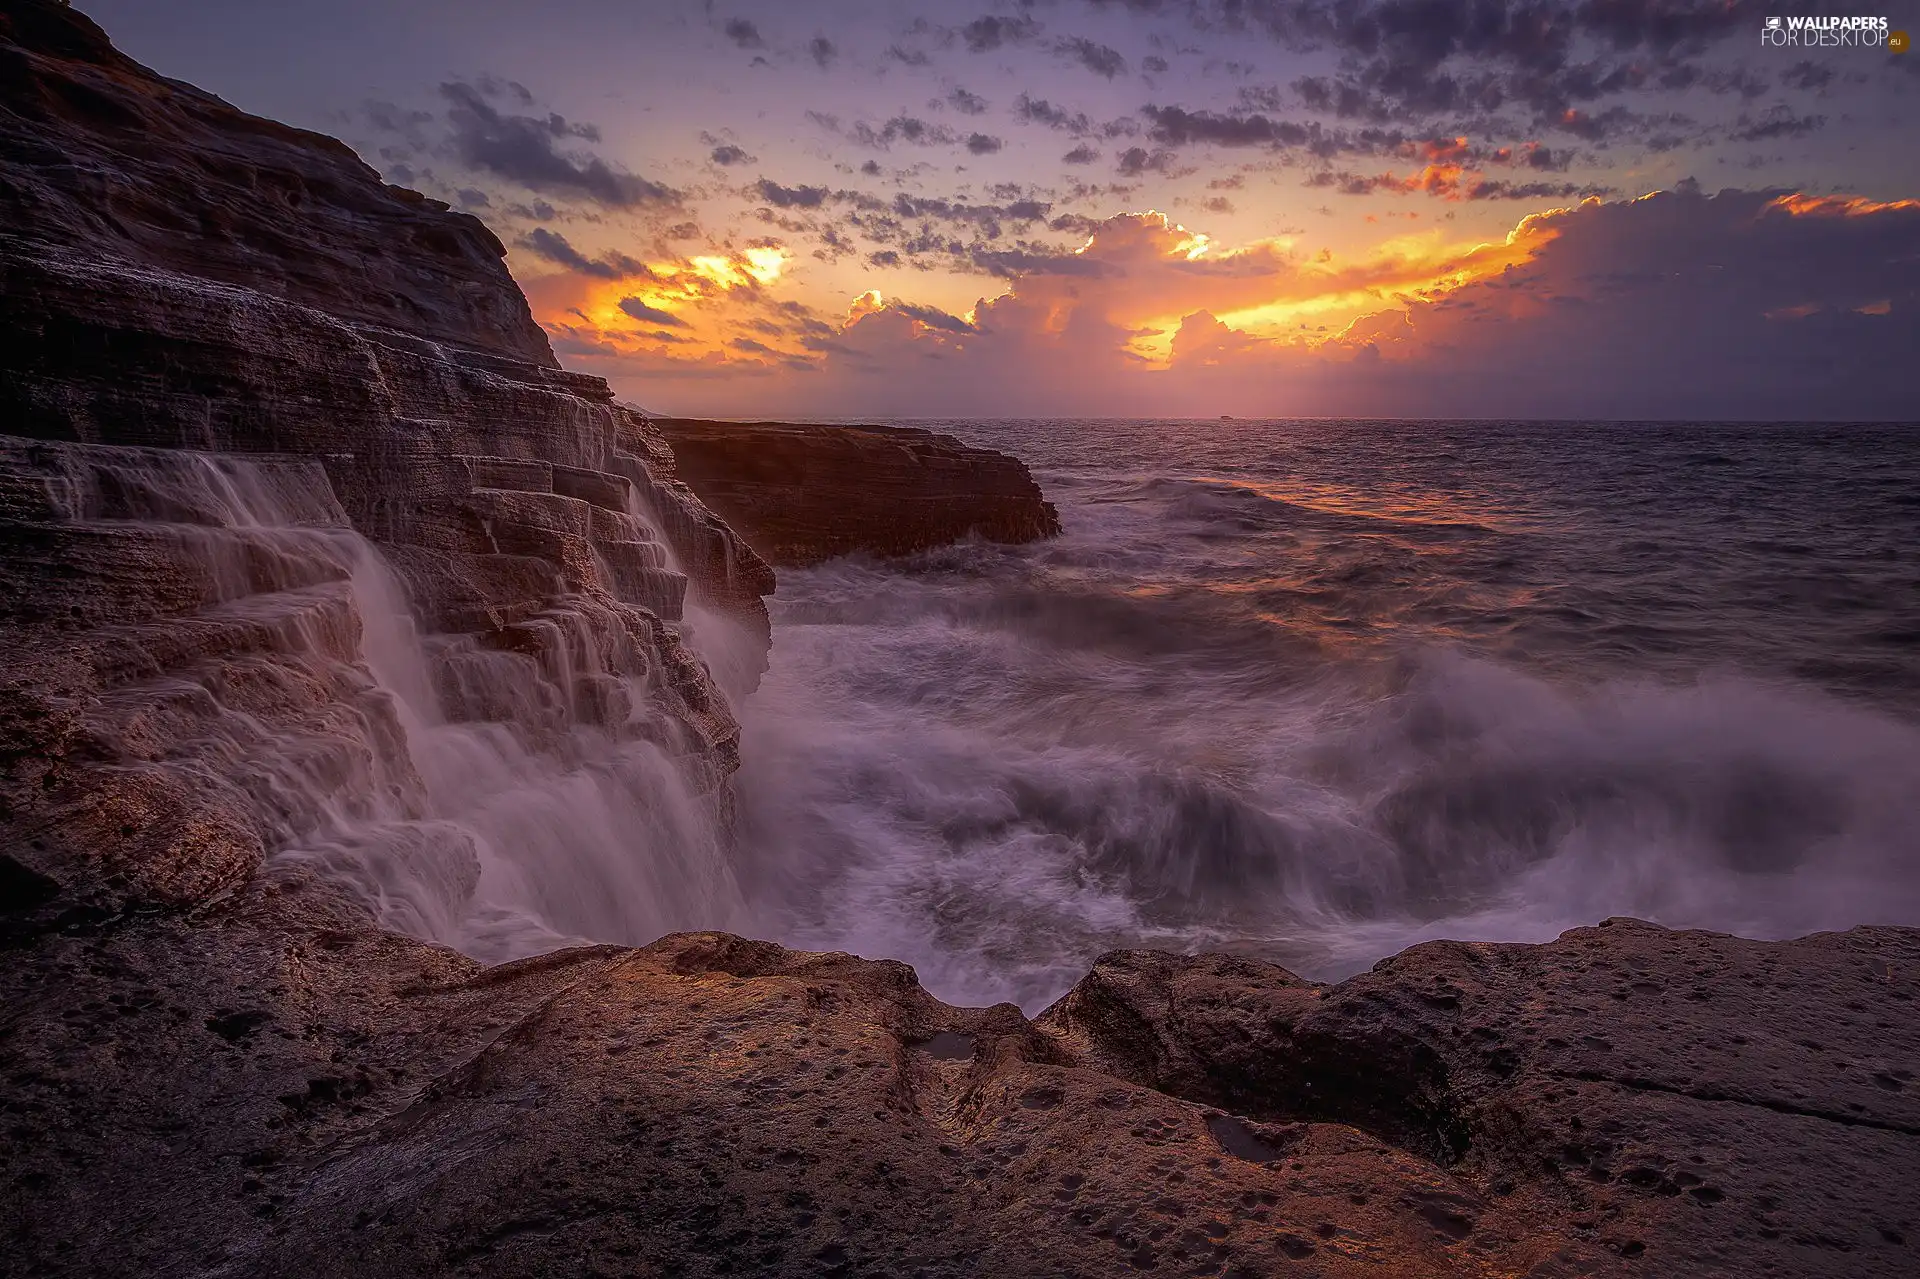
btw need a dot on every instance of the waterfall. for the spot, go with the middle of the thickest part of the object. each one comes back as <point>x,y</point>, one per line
<point>498,801</point>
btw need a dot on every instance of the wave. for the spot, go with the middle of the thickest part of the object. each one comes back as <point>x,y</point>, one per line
<point>997,785</point>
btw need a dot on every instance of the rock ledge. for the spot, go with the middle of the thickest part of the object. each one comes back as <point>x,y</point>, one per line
<point>802,494</point>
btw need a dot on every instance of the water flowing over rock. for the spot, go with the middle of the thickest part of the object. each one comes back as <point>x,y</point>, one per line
<point>802,494</point>
<point>318,554</point>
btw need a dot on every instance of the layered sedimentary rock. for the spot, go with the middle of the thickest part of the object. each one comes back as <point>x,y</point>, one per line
<point>236,368</point>
<point>802,494</point>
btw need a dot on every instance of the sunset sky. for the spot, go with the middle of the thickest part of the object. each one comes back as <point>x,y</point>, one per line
<point>846,208</point>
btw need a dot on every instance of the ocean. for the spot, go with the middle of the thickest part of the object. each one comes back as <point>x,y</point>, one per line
<point>1319,690</point>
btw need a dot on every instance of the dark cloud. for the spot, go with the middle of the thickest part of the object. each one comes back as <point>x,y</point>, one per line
<point>1097,58</point>
<point>744,33</point>
<point>555,248</point>
<point>967,103</point>
<point>1807,75</point>
<point>908,57</point>
<point>790,197</point>
<point>1742,304</point>
<point>640,311</point>
<point>405,122</point>
<point>1780,123</point>
<point>1153,64</point>
<point>1417,61</point>
<point>1082,154</point>
<point>752,346</point>
<point>933,317</point>
<point>1176,126</point>
<point>1033,260</point>
<point>902,128</point>
<point>1135,161</point>
<point>1499,189</point>
<point>990,32</point>
<point>727,154</point>
<point>823,51</point>
<point>983,144</point>
<point>529,150</point>
<point>1033,110</point>
<point>511,90</point>
<point>988,216</point>
<point>1535,156</point>
<point>871,168</point>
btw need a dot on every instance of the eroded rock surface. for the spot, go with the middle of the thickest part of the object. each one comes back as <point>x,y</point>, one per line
<point>803,494</point>
<point>1692,1103</point>
<point>235,367</point>
<point>268,1087</point>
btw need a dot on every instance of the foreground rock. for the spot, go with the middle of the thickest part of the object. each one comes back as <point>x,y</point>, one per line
<point>268,1087</point>
<point>803,494</point>
<point>1691,1103</point>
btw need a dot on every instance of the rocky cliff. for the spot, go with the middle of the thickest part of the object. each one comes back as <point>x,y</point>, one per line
<point>327,600</point>
<point>246,383</point>
<point>802,494</point>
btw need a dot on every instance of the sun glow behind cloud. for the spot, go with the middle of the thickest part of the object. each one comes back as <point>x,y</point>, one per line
<point>1132,285</point>
<point>1151,311</point>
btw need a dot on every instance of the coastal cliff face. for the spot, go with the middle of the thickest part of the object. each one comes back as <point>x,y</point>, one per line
<point>247,383</point>
<point>803,494</point>
<point>327,599</point>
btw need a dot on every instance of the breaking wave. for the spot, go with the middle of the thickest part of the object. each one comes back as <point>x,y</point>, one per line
<point>1271,712</point>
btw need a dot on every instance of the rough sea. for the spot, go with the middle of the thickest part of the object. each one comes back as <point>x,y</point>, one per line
<point>1318,690</point>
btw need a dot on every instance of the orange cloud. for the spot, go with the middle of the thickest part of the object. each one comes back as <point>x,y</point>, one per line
<point>1800,205</point>
<point>1676,302</point>
<point>692,310</point>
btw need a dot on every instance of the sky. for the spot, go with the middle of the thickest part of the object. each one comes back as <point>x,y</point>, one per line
<point>1040,208</point>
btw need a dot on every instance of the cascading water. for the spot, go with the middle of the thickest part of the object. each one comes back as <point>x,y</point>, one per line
<point>504,836</point>
<point>1358,692</point>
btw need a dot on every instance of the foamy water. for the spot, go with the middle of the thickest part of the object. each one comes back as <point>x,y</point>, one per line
<point>1318,691</point>
<point>457,791</point>
<point>1312,691</point>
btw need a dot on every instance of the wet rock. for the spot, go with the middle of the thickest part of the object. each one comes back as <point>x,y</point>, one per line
<point>226,347</point>
<point>1697,1103</point>
<point>272,1088</point>
<point>802,494</point>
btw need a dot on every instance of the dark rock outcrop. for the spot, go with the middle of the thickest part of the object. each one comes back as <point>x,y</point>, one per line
<point>104,157</point>
<point>1687,1102</point>
<point>267,1087</point>
<point>229,357</point>
<point>803,494</point>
